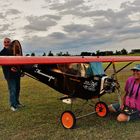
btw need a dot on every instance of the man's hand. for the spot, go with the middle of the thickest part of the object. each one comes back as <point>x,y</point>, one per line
<point>14,69</point>
<point>122,107</point>
<point>22,74</point>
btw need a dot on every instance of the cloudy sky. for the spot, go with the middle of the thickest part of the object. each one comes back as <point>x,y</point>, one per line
<point>71,25</point>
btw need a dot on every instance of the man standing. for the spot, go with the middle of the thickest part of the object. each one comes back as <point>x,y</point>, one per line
<point>12,77</point>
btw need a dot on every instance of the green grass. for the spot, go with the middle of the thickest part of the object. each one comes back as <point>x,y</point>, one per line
<point>39,119</point>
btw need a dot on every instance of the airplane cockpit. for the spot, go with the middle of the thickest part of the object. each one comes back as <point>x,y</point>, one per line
<point>83,69</point>
<point>93,71</point>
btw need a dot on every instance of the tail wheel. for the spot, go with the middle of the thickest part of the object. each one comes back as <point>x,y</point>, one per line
<point>101,109</point>
<point>68,119</point>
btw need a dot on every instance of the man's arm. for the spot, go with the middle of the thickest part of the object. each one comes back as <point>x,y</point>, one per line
<point>2,52</point>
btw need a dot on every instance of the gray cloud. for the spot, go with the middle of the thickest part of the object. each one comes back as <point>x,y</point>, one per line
<point>26,0</point>
<point>97,29</point>
<point>70,4</point>
<point>12,12</point>
<point>39,23</point>
<point>57,36</point>
<point>4,27</point>
<point>1,15</point>
<point>136,2</point>
<point>107,26</point>
<point>53,17</point>
<point>77,28</point>
<point>62,42</point>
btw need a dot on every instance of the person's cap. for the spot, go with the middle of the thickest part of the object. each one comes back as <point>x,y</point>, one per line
<point>137,67</point>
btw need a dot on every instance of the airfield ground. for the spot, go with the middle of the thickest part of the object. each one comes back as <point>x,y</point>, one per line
<point>39,119</point>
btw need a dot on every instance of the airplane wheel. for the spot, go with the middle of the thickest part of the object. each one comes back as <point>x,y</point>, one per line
<point>101,109</point>
<point>68,119</point>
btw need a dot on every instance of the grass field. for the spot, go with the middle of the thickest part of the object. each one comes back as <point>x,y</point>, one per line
<point>39,119</point>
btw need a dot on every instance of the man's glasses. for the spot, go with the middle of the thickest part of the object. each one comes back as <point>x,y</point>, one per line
<point>6,41</point>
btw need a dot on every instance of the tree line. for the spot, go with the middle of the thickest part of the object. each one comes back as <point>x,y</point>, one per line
<point>97,53</point>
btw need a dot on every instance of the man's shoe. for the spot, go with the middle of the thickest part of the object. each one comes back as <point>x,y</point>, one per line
<point>67,101</point>
<point>13,108</point>
<point>20,105</point>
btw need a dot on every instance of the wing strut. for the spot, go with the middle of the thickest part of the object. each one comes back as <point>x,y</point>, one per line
<point>107,66</point>
<point>117,84</point>
<point>123,67</point>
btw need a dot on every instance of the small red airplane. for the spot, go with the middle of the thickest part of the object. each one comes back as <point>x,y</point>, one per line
<point>74,76</point>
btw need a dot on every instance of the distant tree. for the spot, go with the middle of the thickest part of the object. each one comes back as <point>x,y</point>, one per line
<point>59,54</point>
<point>27,54</point>
<point>86,53</point>
<point>67,54</point>
<point>98,52</point>
<point>50,53</point>
<point>32,54</point>
<point>44,54</point>
<point>118,52</point>
<point>93,54</point>
<point>134,51</point>
<point>109,52</point>
<point>124,51</point>
<point>101,53</point>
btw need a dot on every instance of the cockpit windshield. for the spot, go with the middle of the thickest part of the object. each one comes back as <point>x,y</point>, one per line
<point>97,68</point>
